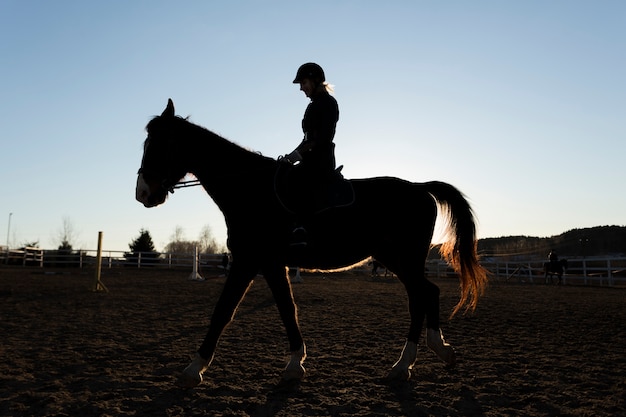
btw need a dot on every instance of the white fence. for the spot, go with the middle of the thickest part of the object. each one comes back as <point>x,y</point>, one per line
<point>608,271</point>
<point>110,259</point>
<point>24,256</point>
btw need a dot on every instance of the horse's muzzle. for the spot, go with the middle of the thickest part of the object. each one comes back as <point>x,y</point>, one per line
<point>148,196</point>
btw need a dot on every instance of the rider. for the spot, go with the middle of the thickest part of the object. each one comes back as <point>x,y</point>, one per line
<point>315,155</point>
<point>553,257</point>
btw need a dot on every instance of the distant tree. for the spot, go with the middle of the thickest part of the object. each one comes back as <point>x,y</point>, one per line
<point>142,246</point>
<point>65,255</point>
<point>207,243</point>
<point>143,243</point>
<point>65,246</point>
<point>66,235</point>
<point>182,247</point>
<point>178,244</point>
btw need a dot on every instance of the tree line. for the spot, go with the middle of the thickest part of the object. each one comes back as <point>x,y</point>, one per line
<point>575,243</point>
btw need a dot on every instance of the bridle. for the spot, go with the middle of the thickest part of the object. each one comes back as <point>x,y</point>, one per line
<point>167,186</point>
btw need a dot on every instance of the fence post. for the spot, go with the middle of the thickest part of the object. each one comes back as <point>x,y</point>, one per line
<point>98,285</point>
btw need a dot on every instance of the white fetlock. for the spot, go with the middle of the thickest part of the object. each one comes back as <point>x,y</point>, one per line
<point>436,343</point>
<point>401,370</point>
<point>294,369</point>
<point>192,375</point>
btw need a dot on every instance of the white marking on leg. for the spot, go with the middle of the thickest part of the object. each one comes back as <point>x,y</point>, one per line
<point>401,370</point>
<point>192,375</point>
<point>436,343</point>
<point>294,368</point>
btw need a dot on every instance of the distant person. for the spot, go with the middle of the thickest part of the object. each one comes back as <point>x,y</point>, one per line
<point>225,262</point>
<point>375,266</point>
<point>553,257</point>
<point>315,155</point>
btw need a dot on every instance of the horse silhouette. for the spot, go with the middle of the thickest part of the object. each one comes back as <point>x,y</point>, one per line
<point>554,268</point>
<point>242,184</point>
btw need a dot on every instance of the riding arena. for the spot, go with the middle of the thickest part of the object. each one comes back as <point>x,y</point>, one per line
<point>252,342</point>
<point>528,349</point>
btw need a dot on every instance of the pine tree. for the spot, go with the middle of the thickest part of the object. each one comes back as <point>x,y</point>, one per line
<point>143,245</point>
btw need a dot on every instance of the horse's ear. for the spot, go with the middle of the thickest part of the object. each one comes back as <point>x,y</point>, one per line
<point>169,110</point>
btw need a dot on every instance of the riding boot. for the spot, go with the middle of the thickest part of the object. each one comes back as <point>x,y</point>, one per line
<point>298,237</point>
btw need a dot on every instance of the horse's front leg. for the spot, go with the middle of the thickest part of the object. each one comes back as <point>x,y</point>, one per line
<point>279,284</point>
<point>235,288</point>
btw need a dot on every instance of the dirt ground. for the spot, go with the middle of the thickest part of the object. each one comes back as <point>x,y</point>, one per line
<point>529,350</point>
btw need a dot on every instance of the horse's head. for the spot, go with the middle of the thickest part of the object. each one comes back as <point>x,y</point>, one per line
<point>161,166</point>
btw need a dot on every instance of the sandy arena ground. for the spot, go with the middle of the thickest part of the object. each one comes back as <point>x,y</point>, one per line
<point>529,350</point>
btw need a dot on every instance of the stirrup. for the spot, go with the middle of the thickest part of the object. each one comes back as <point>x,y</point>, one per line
<point>298,237</point>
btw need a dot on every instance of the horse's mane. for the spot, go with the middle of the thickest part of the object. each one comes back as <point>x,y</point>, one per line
<point>194,129</point>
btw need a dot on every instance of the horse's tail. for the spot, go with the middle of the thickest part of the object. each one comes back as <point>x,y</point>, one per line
<point>459,250</point>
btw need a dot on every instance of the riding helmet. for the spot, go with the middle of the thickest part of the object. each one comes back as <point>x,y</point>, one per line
<point>310,70</point>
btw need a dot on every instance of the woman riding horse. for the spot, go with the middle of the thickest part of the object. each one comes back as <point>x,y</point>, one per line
<point>315,155</point>
<point>259,230</point>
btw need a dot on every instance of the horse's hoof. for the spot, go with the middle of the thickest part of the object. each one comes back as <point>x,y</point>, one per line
<point>192,374</point>
<point>294,374</point>
<point>443,350</point>
<point>189,380</point>
<point>399,375</point>
<point>294,369</point>
<point>448,355</point>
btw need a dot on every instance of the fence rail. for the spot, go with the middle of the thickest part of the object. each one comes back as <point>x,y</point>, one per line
<point>586,271</point>
<point>609,271</point>
<point>110,259</point>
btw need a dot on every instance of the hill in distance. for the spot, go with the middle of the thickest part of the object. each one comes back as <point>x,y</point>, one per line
<point>588,242</point>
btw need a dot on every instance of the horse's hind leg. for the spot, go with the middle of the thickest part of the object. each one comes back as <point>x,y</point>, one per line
<point>428,296</point>
<point>434,336</point>
<point>423,305</point>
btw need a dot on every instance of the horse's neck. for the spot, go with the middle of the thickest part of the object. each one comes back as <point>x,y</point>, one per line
<point>223,167</point>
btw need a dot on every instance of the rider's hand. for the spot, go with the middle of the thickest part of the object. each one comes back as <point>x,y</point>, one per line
<point>293,158</point>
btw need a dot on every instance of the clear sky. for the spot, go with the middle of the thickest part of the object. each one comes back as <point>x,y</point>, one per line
<point>520,104</point>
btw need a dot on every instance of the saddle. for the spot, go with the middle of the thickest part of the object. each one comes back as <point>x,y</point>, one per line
<point>336,192</point>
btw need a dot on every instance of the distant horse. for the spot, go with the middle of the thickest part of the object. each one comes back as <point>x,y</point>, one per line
<point>554,268</point>
<point>242,184</point>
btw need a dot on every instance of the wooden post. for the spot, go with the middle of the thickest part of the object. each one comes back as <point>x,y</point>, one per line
<point>97,284</point>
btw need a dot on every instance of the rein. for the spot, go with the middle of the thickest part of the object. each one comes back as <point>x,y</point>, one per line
<point>165,184</point>
<point>184,184</point>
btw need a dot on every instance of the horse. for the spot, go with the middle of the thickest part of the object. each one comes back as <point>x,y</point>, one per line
<point>554,268</point>
<point>242,184</point>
